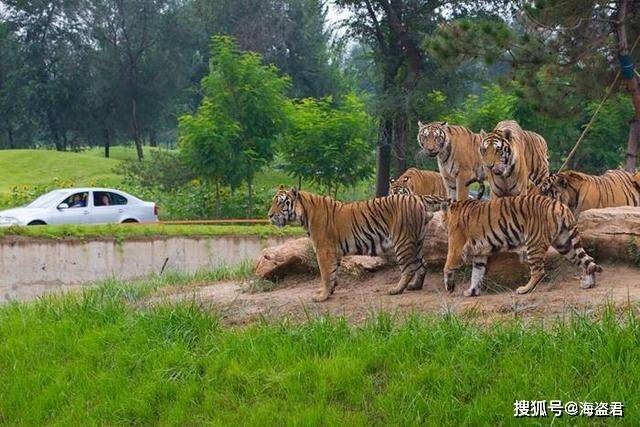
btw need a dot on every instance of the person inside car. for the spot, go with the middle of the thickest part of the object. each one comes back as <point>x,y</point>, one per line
<point>77,202</point>
<point>105,200</point>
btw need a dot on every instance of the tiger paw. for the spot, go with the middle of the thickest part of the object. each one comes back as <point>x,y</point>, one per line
<point>449,286</point>
<point>414,287</point>
<point>395,291</point>
<point>523,290</point>
<point>320,297</point>
<point>471,292</point>
<point>589,281</point>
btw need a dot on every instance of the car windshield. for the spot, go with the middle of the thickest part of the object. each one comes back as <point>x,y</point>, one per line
<point>47,199</point>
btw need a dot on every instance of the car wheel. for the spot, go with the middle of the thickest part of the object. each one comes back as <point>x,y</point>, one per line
<point>37,222</point>
<point>129,221</point>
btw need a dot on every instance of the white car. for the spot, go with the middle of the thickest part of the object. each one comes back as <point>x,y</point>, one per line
<point>81,206</point>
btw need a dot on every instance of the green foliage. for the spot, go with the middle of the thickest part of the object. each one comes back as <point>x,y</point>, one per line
<point>109,356</point>
<point>242,113</point>
<point>605,143</point>
<point>329,145</point>
<point>484,111</point>
<point>165,170</point>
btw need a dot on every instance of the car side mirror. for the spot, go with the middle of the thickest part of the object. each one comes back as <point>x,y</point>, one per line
<point>63,206</point>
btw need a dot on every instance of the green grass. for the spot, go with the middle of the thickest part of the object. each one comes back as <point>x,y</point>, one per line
<point>102,357</point>
<point>118,152</point>
<point>38,167</point>
<point>125,231</point>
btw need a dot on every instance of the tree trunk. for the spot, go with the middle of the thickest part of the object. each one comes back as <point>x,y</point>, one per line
<point>153,138</point>
<point>299,182</point>
<point>12,143</point>
<point>137,134</point>
<point>383,158</point>
<point>218,205</point>
<point>632,87</point>
<point>400,143</point>
<point>250,197</point>
<point>107,143</point>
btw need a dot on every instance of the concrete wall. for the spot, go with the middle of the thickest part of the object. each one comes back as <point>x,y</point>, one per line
<point>29,268</point>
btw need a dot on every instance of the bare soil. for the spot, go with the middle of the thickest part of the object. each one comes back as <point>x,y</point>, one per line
<point>358,296</point>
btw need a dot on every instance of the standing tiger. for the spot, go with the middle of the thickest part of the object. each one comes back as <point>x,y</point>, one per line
<point>513,157</point>
<point>420,182</point>
<point>363,228</point>
<point>580,191</point>
<point>458,152</point>
<point>477,229</point>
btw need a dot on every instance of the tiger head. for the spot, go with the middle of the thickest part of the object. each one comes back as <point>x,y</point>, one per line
<point>285,208</point>
<point>433,137</point>
<point>401,186</point>
<point>555,186</point>
<point>496,151</point>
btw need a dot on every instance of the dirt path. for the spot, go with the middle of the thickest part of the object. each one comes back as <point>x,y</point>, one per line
<point>357,297</point>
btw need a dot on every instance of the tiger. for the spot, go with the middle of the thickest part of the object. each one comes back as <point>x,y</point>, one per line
<point>476,229</point>
<point>457,150</point>
<point>420,182</point>
<point>367,227</point>
<point>513,158</point>
<point>580,191</point>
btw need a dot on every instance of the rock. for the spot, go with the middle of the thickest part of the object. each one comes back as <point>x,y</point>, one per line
<point>611,233</point>
<point>435,246</point>
<point>362,263</point>
<point>293,256</point>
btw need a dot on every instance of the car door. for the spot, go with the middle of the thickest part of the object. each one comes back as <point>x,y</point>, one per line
<point>108,207</point>
<point>76,210</point>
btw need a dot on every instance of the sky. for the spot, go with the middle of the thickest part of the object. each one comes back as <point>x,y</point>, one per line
<point>334,16</point>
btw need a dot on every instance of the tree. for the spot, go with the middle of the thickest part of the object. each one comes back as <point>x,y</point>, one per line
<point>563,53</point>
<point>243,109</point>
<point>130,29</point>
<point>328,144</point>
<point>393,31</point>
<point>207,144</point>
<point>307,60</point>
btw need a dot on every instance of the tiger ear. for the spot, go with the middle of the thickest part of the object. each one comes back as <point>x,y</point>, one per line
<point>281,187</point>
<point>445,123</point>
<point>392,180</point>
<point>294,192</point>
<point>420,124</point>
<point>483,134</point>
<point>507,134</point>
<point>562,181</point>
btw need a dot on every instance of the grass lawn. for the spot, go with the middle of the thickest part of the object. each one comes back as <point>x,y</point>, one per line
<point>118,152</point>
<point>36,167</point>
<point>132,231</point>
<point>103,357</point>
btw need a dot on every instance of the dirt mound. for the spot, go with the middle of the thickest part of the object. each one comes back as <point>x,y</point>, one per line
<point>357,296</point>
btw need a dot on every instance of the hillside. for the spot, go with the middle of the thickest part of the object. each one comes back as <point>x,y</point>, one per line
<point>34,167</point>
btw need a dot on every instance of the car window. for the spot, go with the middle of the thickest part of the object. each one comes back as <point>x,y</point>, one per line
<point>77,200</point>
<point>47,199</point>
<point>107,198</point>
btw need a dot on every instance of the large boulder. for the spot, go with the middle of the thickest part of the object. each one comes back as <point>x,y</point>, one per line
<point>611,233</point>
<point>293,256</point>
